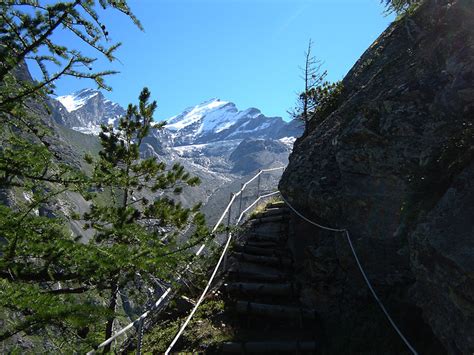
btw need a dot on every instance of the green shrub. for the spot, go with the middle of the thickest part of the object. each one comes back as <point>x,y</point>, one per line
<point>327,97</point>
<point>401,6</point>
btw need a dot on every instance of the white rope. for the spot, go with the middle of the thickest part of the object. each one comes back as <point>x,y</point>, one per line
<point>272,169</point>
<point>369,285</point>
<point>309,221</point>
<point>260,172</point>
<point>201,248</point>
<point>254,203</point>
<point>226,210</point>
<point>136,321</point>
<point>377,298</point>
<point>198,303</point>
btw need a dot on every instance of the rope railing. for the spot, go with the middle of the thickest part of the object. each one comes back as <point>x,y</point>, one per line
<point>214,273</point>
<point>167,292</point>
<point>203,294</point>
<point>254,203</point>
<point>343,230</point>
<point>364,275</point>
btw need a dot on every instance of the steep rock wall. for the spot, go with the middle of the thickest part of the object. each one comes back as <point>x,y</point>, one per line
<point>394,165</point>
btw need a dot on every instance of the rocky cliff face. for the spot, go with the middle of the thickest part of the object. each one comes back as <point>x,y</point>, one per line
<point>394,165</point>
<point>86,110</point>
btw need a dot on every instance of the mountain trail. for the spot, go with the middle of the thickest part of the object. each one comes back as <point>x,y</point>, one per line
<point>261,293</point>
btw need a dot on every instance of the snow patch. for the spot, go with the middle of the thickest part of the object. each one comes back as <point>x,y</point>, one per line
<point>90,129</point>
<point>28,196</point>
<point>255,130</point>
<point>195,114</point>
<point>76,100</point>
<point>199,148</point>
<point>289,141</point>
<point>112,120</point>
<point>224,127</point>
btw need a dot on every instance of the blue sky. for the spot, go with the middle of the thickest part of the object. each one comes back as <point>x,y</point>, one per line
<point>244,51</point>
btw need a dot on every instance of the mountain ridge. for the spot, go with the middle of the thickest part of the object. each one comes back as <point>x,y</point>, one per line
<point>210,121</point>
<point>213,140</point>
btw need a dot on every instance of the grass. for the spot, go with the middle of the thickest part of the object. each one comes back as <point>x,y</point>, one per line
<point>82,144</point>
<point>261,207</point>
<point>205,331</point>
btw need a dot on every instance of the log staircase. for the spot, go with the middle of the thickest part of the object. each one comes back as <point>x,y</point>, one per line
<point>262,293</point>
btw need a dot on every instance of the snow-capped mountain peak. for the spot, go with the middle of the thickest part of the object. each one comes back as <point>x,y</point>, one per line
<point>88,109</point>
<point>212,121</point>
<point>77,100</point>
<point>217,120</point>
<point>195,114</point>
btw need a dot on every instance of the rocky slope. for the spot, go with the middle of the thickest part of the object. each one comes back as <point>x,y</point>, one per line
<point>87,109</point>
<point>394,165</point>
<point>68,147</point>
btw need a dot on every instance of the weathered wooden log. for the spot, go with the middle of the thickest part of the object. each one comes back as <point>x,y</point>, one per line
<point>271,219</point>
<point>265,260</point>
<point>275,311</point>
<point>266,234</point>
<point>277,210</point>
<point>248,249</point>
<point>278,204</point>
<point>269,346</point>
<point>254,276</point>
<point>273,212</point>
<point>244,266</point>
<point>253,240</point>
<point>267,237</point>
<point>271,289</point>
<point>268,228</point>
<point>262,244</point>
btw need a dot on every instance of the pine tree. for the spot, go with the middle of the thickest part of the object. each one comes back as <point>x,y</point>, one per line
<point>312,77</point>
<point>319,96</point>
<point>400,6</point>
<point>51,285</point>
<point>129,226</point>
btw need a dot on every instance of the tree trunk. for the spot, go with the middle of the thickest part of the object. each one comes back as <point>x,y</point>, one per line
<point>110,321</point>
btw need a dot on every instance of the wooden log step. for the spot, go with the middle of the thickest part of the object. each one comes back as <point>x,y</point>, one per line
<point>273,212</point>
<point>265,260</point>
<point>256,276</point>
<point>271,219</point>
<point>268,251</point>
<point>254,239</point>
<point>262,244</point>
<point>264,237</point>
<point>283,209</point>
<point>268,228</point>
<point>246,267</point>
<point>274,311</point>
<point>277,211</point>
<point>270,346</point>
<point>271,289</point>
<point>278,204</point>
<point>274,235</point>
